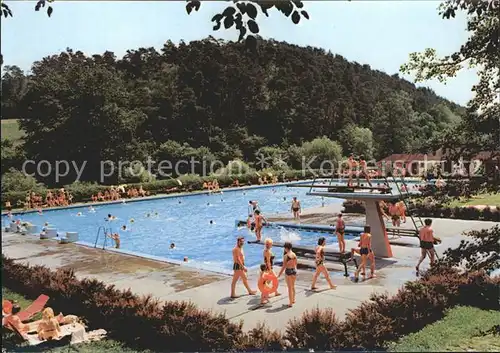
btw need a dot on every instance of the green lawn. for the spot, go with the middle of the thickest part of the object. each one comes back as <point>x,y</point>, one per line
<point>459,331</point>
<point>13,343</point>
<point>482,199</point>
<point>11,130</point>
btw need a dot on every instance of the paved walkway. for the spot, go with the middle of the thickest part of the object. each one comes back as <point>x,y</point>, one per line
<point>210,291</point>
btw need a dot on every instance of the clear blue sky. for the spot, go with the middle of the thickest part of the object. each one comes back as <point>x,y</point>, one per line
<point>378,33</point>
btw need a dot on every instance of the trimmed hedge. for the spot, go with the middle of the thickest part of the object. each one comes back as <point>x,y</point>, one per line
<point>138,321</point>
<point>436,211</point>
<point>178,326</point>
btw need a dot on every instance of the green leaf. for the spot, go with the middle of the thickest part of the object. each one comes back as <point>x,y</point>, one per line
<point>305,14</point>
<point>189,8</point>
<point>196,5</point>
<point>298,3</point>
<point>228,22</point>
<point>216,27</point>
<point>242,7</point>
<point>229,11</point>
<point>295,17</point>
<point>253,26</point>
<point>49,11</point>
<point>217,18</point>
<point>251,11</point>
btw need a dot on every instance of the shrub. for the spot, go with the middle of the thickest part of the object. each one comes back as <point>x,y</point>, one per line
<point>479,253</point>
<point>264,339</point>
<point>321,149</point>
<point>317,329</point>
<point>16,181</point>
<point>139,321</point>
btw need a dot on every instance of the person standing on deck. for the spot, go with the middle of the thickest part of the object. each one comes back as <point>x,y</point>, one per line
<point>320,265</point>
<point>395,213</point>
<point>240,271</point>
<point>351,165</point>
<point>365,248</point>
<point>340,230</point>
<point>296,209</point>
<point>364,171</point>
<point>426,235</point>
<point>259,223</point>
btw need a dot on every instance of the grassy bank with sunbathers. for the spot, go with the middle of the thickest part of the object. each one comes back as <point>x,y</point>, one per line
<point>462,329</point>
<point>12,342</point>
<point>488,199</point>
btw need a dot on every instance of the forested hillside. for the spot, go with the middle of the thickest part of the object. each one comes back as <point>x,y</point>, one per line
<point>217,96</point>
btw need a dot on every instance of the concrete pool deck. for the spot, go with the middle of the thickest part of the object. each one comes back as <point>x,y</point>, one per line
<point>210,291</point>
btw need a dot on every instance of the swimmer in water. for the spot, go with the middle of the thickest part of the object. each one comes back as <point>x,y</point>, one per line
<point>116,238</point>
<point>132,220</point>
<point>156,213</point>
<point>79,214</point>
<point>208,203</point>
<point>185,259</point>
<point>91,209</point>
<point>180,201</point>
<point>148,215</point>
<point>212,222</point>
<point>40,211</point>
<point>124,227</point>
<point>172,246</point>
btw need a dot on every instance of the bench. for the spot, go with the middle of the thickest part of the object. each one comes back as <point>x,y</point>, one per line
<point>303,250</point>
<point>402,232</point>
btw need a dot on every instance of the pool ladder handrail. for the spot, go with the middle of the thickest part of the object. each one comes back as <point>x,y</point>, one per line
<point>105,232</point>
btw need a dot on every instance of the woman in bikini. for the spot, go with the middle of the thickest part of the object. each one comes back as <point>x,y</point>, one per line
<point>320,265</point>
<point>290,269</point>
<point>269,259</point>
<point>49,326</point>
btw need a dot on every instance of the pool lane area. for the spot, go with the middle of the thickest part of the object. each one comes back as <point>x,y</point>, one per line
<point>153,225</point>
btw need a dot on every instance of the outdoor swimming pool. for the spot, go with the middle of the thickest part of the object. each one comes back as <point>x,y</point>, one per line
<point>185,221</point>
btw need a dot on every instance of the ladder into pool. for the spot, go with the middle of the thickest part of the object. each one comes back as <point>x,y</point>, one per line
<point>105,231</point>
<point>405,195</point>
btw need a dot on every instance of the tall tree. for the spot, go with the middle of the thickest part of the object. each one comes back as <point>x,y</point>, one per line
<point>14,87</point>
<point>481,127</point>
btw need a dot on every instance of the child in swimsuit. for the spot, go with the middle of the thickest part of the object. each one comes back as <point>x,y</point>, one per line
<point>264,297</point>
<point>364,251</point>
<point>339,230</point>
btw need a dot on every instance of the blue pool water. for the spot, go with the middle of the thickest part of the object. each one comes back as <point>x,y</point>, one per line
<point>185,221</point>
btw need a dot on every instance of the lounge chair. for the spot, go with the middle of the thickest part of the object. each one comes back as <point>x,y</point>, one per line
<point>33,340</point>
<point>34,308</point>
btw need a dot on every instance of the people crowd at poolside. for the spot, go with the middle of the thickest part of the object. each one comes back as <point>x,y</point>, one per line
<point>268,280</point>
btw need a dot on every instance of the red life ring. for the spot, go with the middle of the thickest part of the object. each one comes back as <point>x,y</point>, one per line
<point>268,277</point>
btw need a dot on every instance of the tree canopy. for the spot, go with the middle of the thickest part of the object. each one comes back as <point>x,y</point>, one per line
<point>480,129</point>
<point>216,99</point>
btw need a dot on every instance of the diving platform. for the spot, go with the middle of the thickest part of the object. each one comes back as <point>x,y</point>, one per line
<point>361,196</point>
<point>372,197</point>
